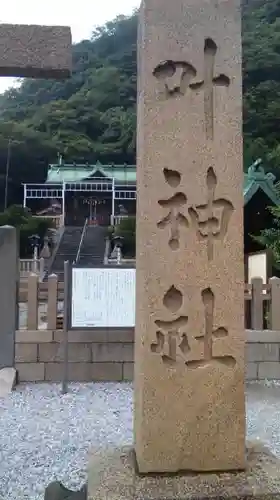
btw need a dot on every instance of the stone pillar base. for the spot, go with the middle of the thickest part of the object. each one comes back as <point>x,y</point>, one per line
<point>57,491</point>
<point>112,475</point>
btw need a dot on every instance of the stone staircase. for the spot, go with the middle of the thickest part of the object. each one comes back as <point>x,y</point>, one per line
<point>93,247</point>
<point>67,249</point>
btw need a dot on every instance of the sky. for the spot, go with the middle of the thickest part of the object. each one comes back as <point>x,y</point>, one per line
<point>81,15</point>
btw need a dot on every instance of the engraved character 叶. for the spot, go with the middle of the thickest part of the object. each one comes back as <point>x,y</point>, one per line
<point>174,76</point>
<point>178,76</point>
<point>211,219</point>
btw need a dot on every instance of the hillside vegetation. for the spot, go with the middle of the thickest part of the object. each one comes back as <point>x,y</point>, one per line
<point>92,116</point>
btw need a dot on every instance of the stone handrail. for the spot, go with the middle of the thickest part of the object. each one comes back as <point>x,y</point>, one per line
<point>27,266</point>
<point>57,220</point>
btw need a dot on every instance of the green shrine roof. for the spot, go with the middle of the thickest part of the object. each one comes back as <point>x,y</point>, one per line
<point>59,173</point>
<point>255,179</point>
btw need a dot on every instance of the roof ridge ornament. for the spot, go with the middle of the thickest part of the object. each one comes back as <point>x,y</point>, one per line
<point>256,170</point>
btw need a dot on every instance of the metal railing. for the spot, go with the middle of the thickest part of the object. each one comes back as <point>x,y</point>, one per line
<point>81,242</point>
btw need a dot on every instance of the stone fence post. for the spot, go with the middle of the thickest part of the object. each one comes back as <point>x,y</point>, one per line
<point>275,303</point>
<point>9,272</point>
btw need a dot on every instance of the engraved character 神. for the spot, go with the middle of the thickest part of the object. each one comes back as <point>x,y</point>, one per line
<point>174,218</point>
<point>211,219</point>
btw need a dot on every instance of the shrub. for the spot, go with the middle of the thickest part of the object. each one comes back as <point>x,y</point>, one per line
<point>26,225</point>
<point>127,230</point>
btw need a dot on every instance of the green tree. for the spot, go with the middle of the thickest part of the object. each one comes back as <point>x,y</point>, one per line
<point>92,116</point>
<point>261,77</point>
<point>127,231</point>
<point>26,225</point>
<point>270,237</point>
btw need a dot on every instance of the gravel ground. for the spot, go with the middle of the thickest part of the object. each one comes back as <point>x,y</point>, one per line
<point>46,436</point>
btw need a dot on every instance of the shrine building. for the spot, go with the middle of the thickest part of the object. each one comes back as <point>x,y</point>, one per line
<point>104,194</point>
<point>100,193</point>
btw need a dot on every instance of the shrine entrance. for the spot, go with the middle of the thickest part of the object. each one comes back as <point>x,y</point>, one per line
<point>96,207</point>
<point>100,200</point>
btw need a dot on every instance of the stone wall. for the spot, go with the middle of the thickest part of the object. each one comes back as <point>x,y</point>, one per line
<point>107,355</point>
<point>102,355</point>
<point>263,355</point>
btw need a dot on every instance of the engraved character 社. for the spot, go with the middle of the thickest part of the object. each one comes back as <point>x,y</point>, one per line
<point>171,337</point>
<point>210,336</point>
<point>177,76</point>
<point>172,342</point>
<point>175,219</point>
<point>211,219</point>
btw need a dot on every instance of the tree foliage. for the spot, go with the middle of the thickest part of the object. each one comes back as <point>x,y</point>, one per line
<point>126,230</point>
<point>261,80</point>
<point>92,116</point>
<point>270,237</point>
<point>26,225</point>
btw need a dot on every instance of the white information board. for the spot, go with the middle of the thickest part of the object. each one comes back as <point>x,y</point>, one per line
<point>257,266</point>
<point>103,298</point>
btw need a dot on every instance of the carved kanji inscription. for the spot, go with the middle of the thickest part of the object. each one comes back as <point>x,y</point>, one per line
<point>175,218</point>
<point>211,220</point>
<point>176,77</point>
<point>172,337</point>
<point>172,341</point>
<point>208,84</point>
<point>209,336</point>
<point>189,328</point>
<point>172,177</point>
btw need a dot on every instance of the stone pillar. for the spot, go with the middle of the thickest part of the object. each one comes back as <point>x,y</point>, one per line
<point>9,276</point>
<point>189,352</point>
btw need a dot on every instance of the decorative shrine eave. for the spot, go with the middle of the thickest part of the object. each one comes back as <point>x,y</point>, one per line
<point>82,172</point>
<point>256,179</point>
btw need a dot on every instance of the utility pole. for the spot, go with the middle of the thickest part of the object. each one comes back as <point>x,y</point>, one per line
<point>7,173</point>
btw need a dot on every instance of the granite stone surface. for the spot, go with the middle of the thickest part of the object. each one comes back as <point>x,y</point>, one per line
<point>8,294</point>
<point>35,51</point>
<point>57,491</point>
<point>112,476</point>
<point>7,381</point>
<point>189,334</point>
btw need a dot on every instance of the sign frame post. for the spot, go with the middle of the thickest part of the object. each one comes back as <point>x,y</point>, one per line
<point>66,325</point>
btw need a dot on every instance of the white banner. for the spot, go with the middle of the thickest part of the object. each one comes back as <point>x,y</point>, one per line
<point>103,298</point>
